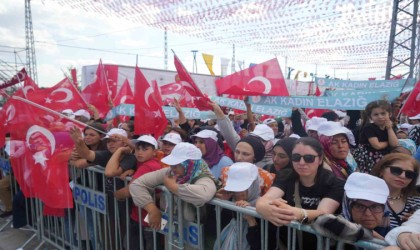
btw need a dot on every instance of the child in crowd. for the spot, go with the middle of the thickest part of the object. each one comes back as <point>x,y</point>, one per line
<point>146,149</point>
<point>377,136</point>
<point>188,178</point>
<point>243,187</point>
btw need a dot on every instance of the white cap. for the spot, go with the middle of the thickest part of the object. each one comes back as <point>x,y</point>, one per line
<point>240,176</point>
<point>340,113</point>
<point>68,112</point>
<point>269,121</point>
<point>264,132</point>
<point>182,151</point>
<point>406,126</point>
<point>366,187</point>
<point>314,123</point>
<point>416,117</point>
<point>116,131</point>
<point>231,112</point>
<point>149,139</point>
<point>173,138</point>
<point>330,128</point>
<point>82,112</point>
<point>206,133</point>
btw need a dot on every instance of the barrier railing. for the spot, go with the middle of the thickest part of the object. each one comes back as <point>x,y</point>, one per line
<point>100,221</point>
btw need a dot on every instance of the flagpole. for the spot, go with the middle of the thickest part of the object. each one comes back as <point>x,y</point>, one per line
<point>56,113</point>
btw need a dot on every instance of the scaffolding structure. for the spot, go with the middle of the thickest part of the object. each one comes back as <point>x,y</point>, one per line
<point>403,36</point>
<point>30,43</point>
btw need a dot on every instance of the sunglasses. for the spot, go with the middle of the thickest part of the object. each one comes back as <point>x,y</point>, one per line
<point>397,171</point>
<point>306,158</point>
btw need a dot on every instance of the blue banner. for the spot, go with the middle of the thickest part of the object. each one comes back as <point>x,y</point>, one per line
<point>89,198</point>
<point>380,93</point>
<point>347,84</point>
<point>259,109</point>
<point>170,112</point>
<point>347,100</point>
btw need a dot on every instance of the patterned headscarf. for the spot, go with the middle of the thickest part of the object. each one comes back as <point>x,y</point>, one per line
<point>340,168</point>
<point>194,170</point>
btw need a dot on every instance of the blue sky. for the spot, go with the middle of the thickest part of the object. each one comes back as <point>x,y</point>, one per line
<point>65,37</point>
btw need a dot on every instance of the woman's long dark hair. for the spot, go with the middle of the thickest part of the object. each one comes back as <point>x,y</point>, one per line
<point>290,173</point>
<point>100,127</point>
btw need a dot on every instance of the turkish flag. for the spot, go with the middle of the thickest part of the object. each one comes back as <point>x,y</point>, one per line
<point>39,153</point>
<point>262,79</point>
<point>149,116</point>
<point>2,129</point>
<point>315,112</point>
<point>412,106</point>
<point>63,95</point>
<point>125,95</point>
<point>200,100</point>
<point>19,77</point>
<point>172,88</point>
<point>29,86</point>
<point>97,93</point>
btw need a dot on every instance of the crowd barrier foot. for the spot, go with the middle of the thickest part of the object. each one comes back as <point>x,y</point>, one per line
<point>6,222</point>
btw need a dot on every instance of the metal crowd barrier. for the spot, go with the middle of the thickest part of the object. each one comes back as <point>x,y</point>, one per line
<point>99,221</point>
<point>31,207</point>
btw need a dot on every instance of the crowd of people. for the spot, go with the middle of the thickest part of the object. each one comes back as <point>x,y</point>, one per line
<point>351,175</point>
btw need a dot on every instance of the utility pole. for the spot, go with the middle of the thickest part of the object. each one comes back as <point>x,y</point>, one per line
<point>194,60</point>
<point>165,39</point>
<point>30,44</point>
<point>233,60</point>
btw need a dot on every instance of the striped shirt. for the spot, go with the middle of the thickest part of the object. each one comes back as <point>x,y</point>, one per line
<point>411,201</point>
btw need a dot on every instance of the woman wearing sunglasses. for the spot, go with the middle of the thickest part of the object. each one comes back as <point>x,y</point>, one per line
<point>316,189</point>
<point>399,171</point>
<point>364,214</point>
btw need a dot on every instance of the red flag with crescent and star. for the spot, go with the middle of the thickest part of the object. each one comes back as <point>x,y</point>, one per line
<point>310,112</point>
<point>61,96</point>
<point>200,100</point>
<point>40,148</point>
<point>29,86</point>
<point>97,93</point>
<point>262,79</point>
<point>124,95</point>
<point>149,116</point>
